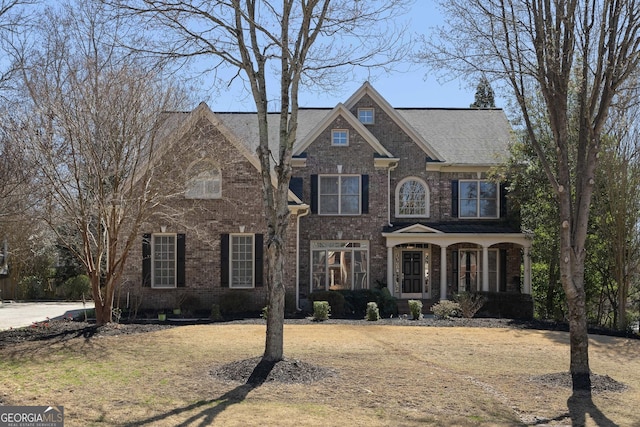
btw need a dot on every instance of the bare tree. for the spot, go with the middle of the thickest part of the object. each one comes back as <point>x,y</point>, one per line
<point>14,16</point>
<point>578,56</point>
<point>91,115</point>
<point>285,44</point>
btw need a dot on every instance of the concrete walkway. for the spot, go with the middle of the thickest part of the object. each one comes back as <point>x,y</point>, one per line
<point>20,314</point>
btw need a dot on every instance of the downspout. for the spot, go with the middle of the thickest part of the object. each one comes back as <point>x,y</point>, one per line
<point>305,212</point>
<point>392,166</point>
<point>390,277</point>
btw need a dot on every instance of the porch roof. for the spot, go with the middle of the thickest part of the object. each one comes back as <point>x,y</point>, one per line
<point>483,233</point>
<point>474,227</point>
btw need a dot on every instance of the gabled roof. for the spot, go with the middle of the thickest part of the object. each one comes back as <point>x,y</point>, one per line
<point>463,136</point>
<point>448,136</point>
<point>420,139</point>
<point>340,111</point>
<point>178,125</point>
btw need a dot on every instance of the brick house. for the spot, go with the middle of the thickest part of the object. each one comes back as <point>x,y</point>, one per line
<point>379,197</point>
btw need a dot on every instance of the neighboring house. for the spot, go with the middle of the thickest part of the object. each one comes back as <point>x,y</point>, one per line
<point>379,197</point>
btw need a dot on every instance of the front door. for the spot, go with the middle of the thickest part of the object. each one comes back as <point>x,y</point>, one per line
<point>412,272</point>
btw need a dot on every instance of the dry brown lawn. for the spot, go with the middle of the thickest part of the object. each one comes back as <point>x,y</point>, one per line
<point>385,376</point>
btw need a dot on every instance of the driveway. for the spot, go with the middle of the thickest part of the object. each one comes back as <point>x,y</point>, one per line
<point>19,314</point>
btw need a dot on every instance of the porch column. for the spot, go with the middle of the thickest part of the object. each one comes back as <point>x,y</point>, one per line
<point>390,269</point>
<point>526,288</point>
<point>443,272</point>
<point>485,269</point>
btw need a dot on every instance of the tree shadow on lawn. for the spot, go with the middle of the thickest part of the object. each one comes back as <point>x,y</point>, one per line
<point>582,404</point>
<point>208,415</point>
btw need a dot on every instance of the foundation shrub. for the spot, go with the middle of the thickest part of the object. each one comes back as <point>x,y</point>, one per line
<point>335,299</point>
<point>356,301</point>
<point>236,302</point>
<point>373,313</point>
<point>415,308</point>
<point>321,310</point>
<point>446,309</point>
<point>470,303</point>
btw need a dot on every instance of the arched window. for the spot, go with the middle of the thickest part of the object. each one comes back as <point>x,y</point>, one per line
<point>204,181</point>
<point>412,198</point>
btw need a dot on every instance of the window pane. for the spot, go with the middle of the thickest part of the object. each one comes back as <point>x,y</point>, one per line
<point>468,190</point>
<point>329,204</point>
<point>319,273</point>
<point>164,261</point>
<point>365,115</point>
<point>340,270</point>
<point>339,137</point>
<point>242,261</point>
<point>488,190</point>
<point>350,205</point>
<point>360,270</point>
<point>328,185</point>
<point>468,208</point>
<point>412,199</point>
<point>350,185</point>
<point>488,208</point>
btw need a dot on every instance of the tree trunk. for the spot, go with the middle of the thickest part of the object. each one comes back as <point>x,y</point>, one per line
<point>579,339</point>
<point>103,302</point>
<point>273,350</point>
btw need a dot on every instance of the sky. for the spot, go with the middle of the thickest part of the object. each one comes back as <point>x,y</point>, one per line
<point>413,88</point>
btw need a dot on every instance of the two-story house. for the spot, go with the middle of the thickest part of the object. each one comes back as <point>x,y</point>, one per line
<point>379,195</point>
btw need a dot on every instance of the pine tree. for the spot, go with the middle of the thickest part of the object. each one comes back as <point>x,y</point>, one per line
<point>484,95</point>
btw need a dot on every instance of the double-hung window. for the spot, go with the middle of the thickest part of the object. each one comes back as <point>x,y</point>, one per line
<point>164,259</point>
<point>242,260</point>
<point>478,199</point>
<point>339,195</point>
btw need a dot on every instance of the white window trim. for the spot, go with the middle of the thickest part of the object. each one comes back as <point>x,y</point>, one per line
<point>481,267</point>
<point>478,216</point>
<point>338,245</point>
<point>427,213</point>
<point>373,115</point>
<point>339,213</point>
<point>333,143</point>
<point>253,261</point>
<point>175,261</point>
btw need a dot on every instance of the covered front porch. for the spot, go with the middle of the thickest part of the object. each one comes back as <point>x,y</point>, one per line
<point>435,262</point>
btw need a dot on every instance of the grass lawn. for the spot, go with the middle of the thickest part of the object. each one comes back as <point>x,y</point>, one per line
<point>384,376</point>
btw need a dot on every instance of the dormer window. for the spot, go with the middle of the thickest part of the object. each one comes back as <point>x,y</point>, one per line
<point>366,116</point>
<point>340,137</point>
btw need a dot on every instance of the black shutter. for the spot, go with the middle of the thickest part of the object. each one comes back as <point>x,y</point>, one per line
<point>454,198</point>
<point>365,194</point>
<point>224,260</point>
<point>259,263</point>
<point>180,258</point>
<point>146,260</point>
<point>314,193</point>
<point>295,185</point>
<point>503,270</point>
<point>503,200</point>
